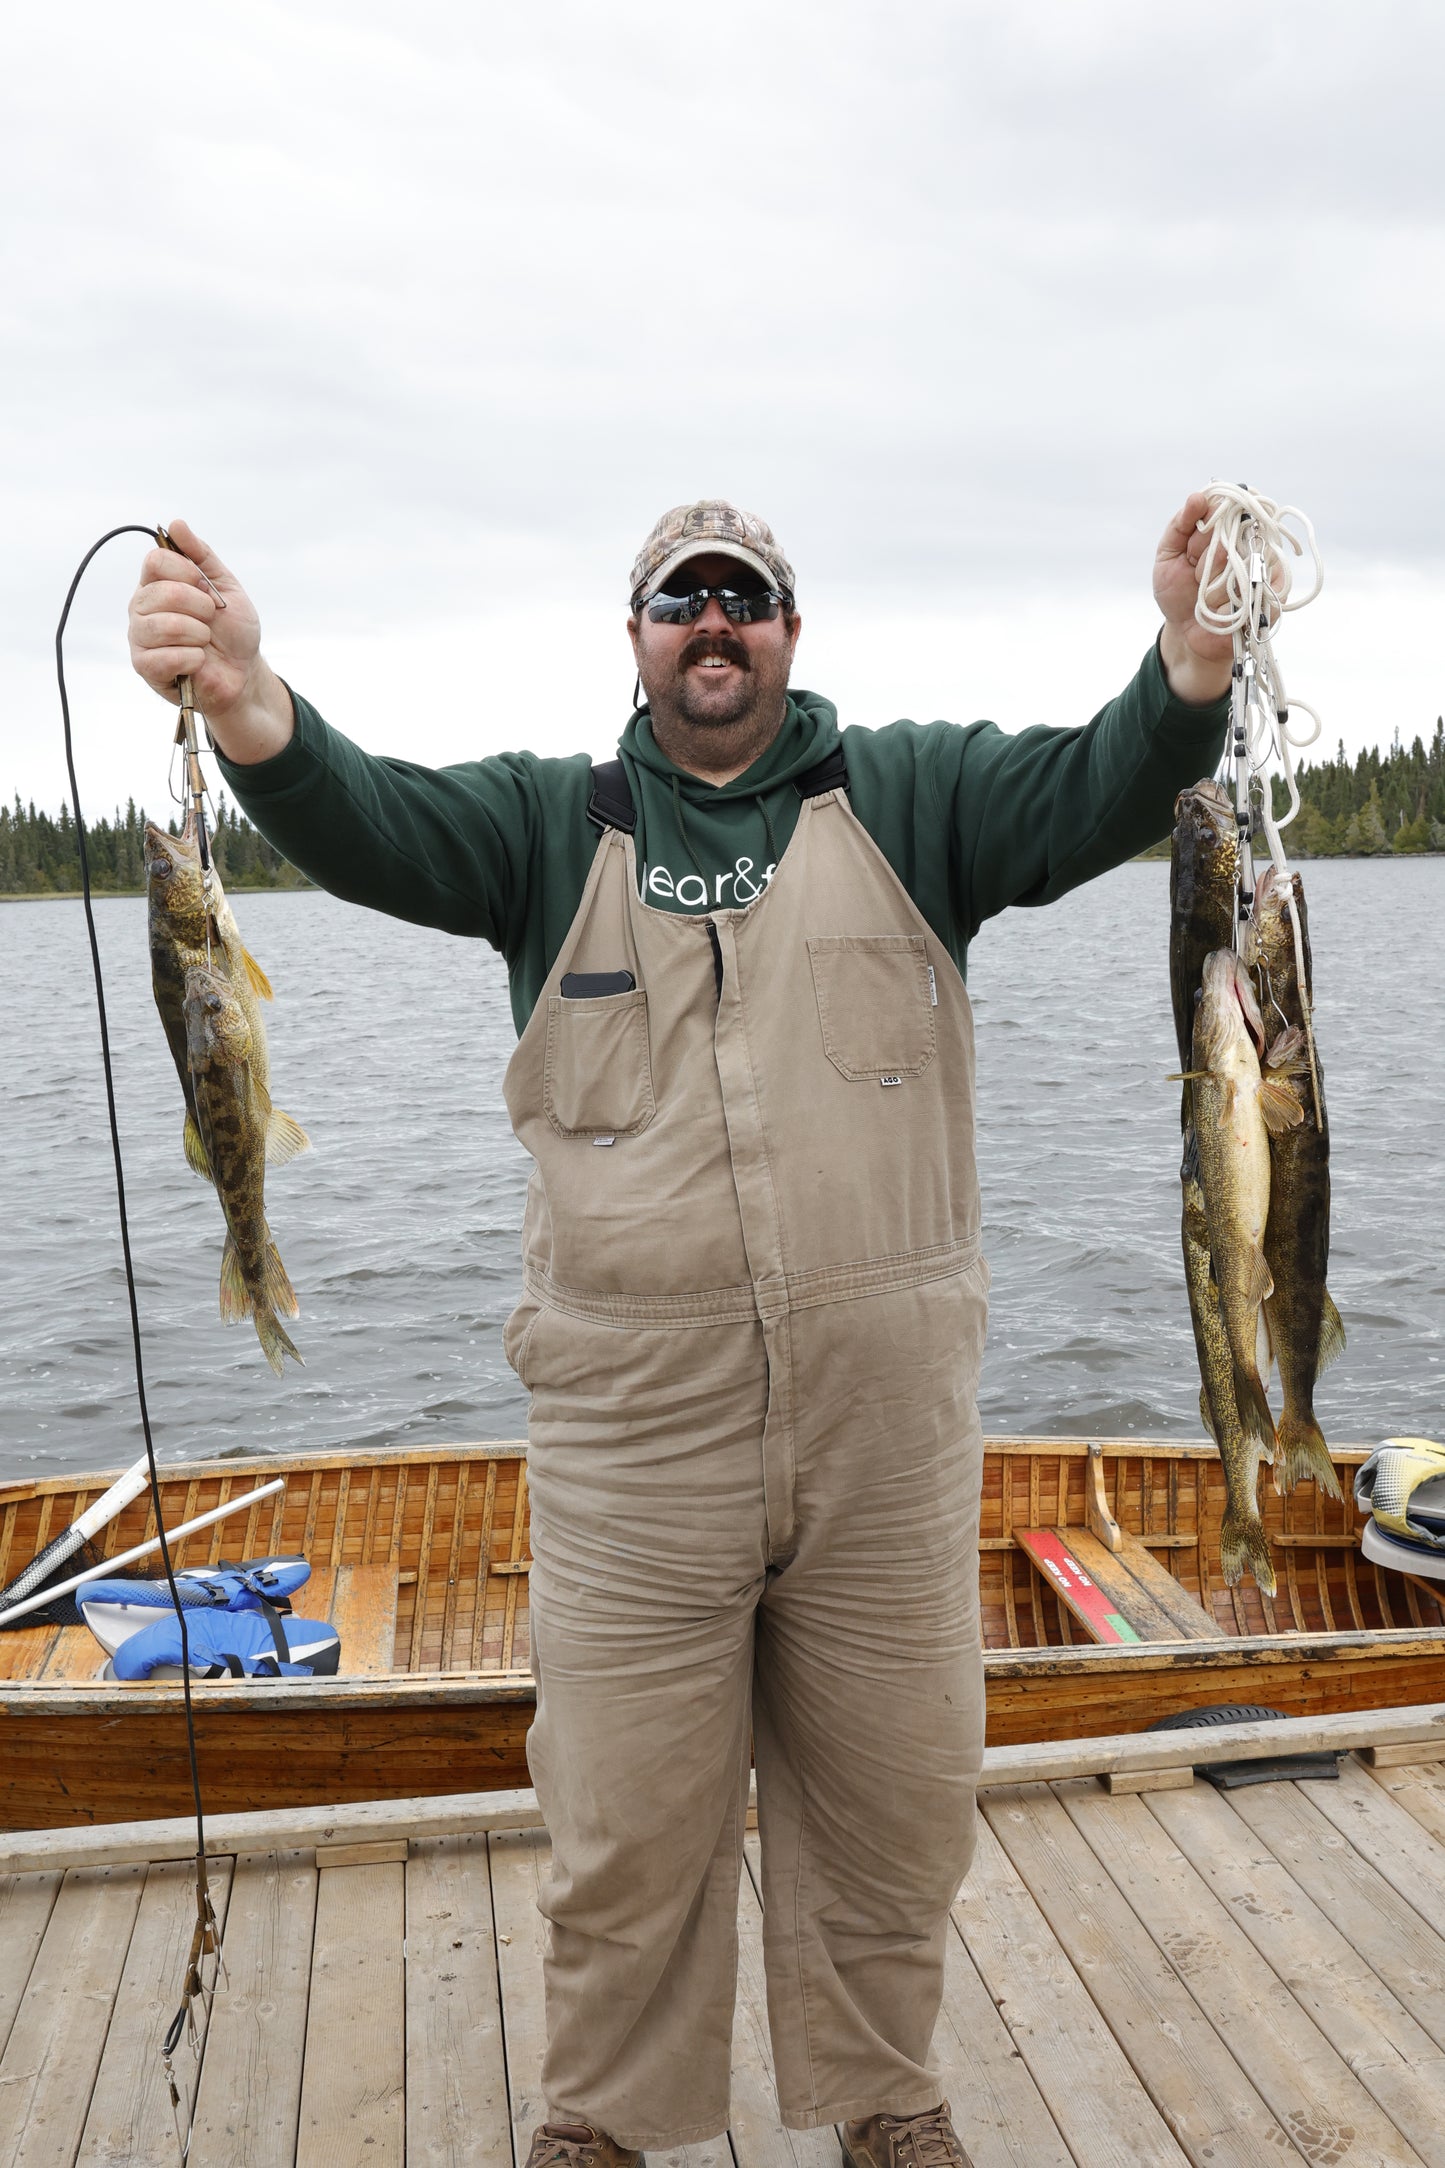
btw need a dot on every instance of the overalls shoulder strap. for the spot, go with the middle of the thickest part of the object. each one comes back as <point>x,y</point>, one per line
<point>611,805</point>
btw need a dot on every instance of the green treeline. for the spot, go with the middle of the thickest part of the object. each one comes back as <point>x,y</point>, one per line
<point>39,855</point>
<point>1373,806</point>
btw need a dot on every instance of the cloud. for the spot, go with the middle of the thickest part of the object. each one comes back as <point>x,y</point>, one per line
<point>422,314</point>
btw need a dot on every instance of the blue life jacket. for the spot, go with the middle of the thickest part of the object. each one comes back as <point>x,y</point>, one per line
<point>223,1644</point>
<point>222,1597</point>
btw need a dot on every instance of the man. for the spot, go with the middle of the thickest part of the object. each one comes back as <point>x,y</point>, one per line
<point>754,1295</point>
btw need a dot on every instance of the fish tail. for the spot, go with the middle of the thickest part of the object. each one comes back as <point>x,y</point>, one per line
<point>276,1342</point>
<point>1303,1456</point>
<point>1244,1548</point>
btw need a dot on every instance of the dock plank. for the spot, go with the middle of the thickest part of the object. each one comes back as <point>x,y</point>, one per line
<point>56,2043</point>
<point>130,2123</point>
<point>354,2081</point>
<point>1369,2028</point>
<point>519,1862</point>
<point>1319,2100</point>
<point>249,2102</point>
<point>998,2111</point>
<point>1208,2103</point>
<point>26,1903</point>
<point>1387,1835</point>
<point>1093,2096</point>
<point>456,2074</point>
<point>1388,1933</point>
<point>1418,1787</point>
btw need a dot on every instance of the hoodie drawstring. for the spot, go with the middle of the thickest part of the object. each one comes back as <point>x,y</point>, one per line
<point>687,842</point>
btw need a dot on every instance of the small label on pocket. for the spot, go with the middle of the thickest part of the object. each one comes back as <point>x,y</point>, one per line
<point>932,987</point>
<point>885,1081</point>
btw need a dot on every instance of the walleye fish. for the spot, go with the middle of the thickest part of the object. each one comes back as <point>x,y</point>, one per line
<point>1236,1106</point>
<point>233,1115</point>
<point>1243,1545</point>
<point>1203,871</point>
<point>1304,1325</point>
<point>189,928</point>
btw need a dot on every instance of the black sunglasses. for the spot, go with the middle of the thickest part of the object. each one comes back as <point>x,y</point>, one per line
<point>738,609</point>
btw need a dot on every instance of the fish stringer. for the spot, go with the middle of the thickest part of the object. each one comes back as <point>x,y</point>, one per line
<point>1246,570</point>
<point>193,781</point>
<point>206,1938</point>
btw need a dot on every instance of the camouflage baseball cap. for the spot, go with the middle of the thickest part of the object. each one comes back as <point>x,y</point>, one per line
<point>709,528</point>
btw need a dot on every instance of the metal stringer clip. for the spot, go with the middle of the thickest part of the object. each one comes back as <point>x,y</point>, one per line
<point>205,1943</point>
<point>193,781</point>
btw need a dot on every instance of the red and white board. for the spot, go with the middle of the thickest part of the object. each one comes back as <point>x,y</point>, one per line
<point>1083,1595</point>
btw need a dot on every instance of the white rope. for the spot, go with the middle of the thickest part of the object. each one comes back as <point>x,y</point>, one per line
<point>1245,583</point>
<point>1244,589</point>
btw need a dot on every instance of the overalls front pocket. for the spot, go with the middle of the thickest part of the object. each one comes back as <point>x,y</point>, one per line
<point>875,1004</point>
<point>597,1067</point>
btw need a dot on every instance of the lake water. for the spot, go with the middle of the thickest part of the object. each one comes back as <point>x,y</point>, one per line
<point>400,1228</point>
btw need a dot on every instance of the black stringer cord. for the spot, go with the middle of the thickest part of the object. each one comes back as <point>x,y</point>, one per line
<point>140,1387</point>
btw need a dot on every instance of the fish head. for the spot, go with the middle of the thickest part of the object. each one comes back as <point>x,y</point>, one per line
<point>176,883</point>
<point>1206,848</point>
<point>216,1025</point>
<point>1226,1009</point>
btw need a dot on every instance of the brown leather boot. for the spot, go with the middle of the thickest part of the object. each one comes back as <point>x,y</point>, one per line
<point>904,2141</point>
<point>578,2145</point>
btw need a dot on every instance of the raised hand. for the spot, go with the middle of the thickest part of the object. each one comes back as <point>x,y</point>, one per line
<point>1196,661</point>
<point>178,628</point>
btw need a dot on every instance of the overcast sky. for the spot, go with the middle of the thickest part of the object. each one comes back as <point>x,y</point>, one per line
<point>421,314</point>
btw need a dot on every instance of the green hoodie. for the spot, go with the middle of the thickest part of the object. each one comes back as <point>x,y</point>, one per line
<point>970,818</point>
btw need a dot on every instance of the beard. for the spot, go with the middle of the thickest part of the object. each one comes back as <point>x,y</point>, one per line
<point>757,688</point>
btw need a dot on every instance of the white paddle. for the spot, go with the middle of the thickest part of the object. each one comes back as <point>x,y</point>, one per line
<point>126,1558</point>
<point>122,1490</point>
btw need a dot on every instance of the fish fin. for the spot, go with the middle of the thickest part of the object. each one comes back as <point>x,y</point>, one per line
<point>1187,1076</point>
<point>284,1138</point>
<point>1244,1548</point>
<point>1288,1056</point>
<point>1259,1284</point>
<point>1279,1106</point>
<point>279,1292</point>
<point>195,1148</point>
<point>235,1296</point>
<point>1303,1456</point>
<point>276,1342</point>
<point>1206,1413</point>
<point>1227,1099</point>
<point>1263,1346</point>
<point>1332,1335</point>
<point>256,977</point>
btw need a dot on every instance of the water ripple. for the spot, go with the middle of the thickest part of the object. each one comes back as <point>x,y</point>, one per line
<point>399,1230</point>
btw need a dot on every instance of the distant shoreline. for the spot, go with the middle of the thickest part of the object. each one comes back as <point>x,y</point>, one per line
<point>105,895</point>
<point>1158,855</point>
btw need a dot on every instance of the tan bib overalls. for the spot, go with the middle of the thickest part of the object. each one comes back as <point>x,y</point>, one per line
<point>752,1324</point>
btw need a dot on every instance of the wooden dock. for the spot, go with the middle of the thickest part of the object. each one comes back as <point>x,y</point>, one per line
<point>1149,1976</point>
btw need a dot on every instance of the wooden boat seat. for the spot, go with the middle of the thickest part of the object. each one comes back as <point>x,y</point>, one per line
<point>1117,1595</point>
<point>360,1602</point>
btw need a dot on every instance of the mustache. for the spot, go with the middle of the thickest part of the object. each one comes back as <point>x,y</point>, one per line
<point>714,643</point>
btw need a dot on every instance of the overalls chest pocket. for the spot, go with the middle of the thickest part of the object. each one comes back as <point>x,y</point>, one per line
<point>597,1069</point>
<point>876,998</point>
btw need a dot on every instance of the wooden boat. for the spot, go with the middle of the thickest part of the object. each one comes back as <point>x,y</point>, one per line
<point>1102,1608</point>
